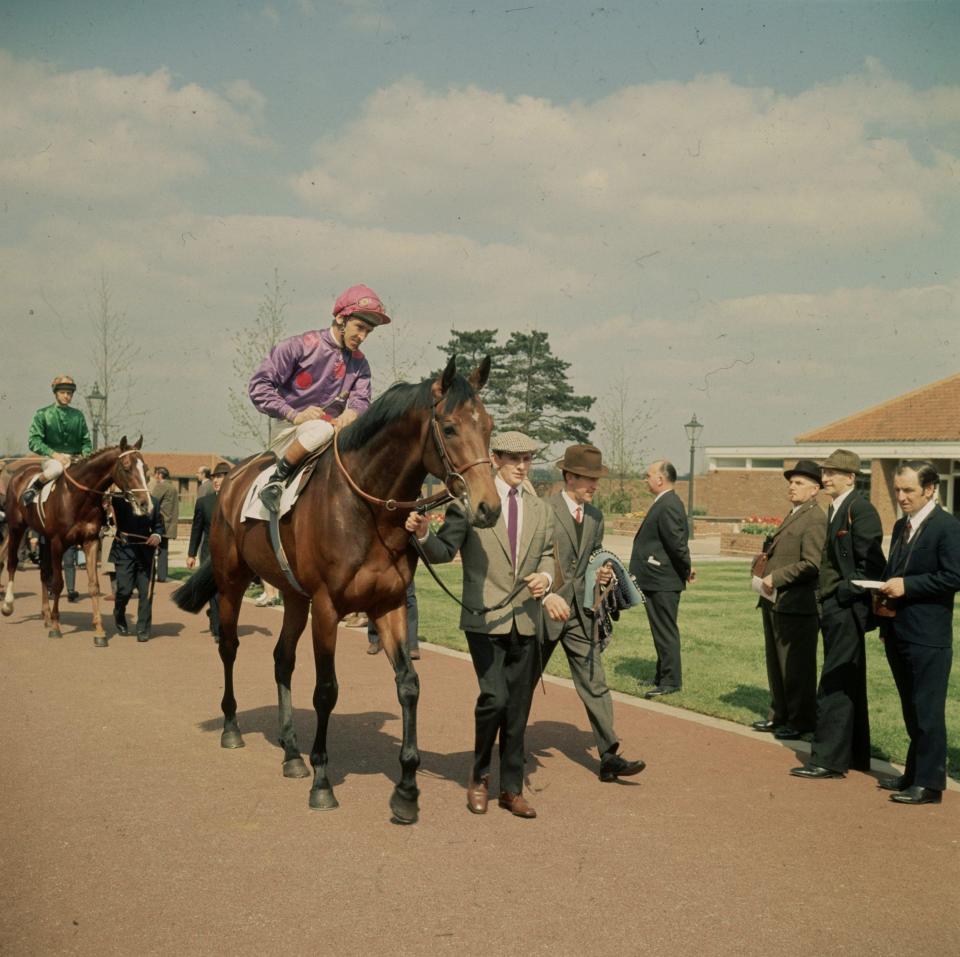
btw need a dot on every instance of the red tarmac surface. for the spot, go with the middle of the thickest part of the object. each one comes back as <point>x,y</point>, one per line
<point>126,829</point>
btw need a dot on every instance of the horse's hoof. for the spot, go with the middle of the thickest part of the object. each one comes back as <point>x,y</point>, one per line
<point>100,641</point>
<point>295,768</point>
<point>323,800</point>
<point>6,610</point>
<point>54,633</point>
<point>404,811</point>
<point>231,739</point>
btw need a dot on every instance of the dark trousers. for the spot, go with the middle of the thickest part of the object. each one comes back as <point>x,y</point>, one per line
<point>790,642</point>
<point>662,608</point>
<point>504,665</point>
<point>842,738</point>
<point>921,674</point>
<point>70,568</point>
<point>586,670</point>
<point>413,620</point>
<point>134,564</point>
<point>163,558</point>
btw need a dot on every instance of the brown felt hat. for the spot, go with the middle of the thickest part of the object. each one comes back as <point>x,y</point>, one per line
<point>221,468</point>
<point>842,460</point>
<point>583,460</point>
<point>807,468</point>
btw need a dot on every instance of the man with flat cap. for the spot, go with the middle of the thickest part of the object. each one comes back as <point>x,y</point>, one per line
<point>200,538</point>
<point>518,550</point>
<point>579,533</point>
<point>852,551</point>
<point>788,607</point>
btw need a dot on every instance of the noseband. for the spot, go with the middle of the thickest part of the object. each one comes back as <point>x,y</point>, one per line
<point>452,473</point>
<point>127,493</point>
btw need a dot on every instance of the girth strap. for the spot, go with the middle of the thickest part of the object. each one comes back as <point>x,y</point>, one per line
<point>281,554</point>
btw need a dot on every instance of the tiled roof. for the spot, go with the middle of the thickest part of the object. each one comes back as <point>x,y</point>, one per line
<point>181,464</point>
<point>928,414</point>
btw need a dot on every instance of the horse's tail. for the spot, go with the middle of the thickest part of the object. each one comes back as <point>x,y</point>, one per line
<point>197,590</point>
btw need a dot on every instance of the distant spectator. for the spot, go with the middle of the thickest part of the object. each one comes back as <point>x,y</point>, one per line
<point>167,494</point>
<point>204,485</point>
<point>200,538</point>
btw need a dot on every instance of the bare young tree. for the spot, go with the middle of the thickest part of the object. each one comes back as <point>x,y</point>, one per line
<point>252,345</point>
<point>114,357</point>
<point>625,424</point>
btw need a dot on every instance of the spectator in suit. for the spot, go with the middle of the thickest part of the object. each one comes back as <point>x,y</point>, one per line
<point>200,538</point>
<point>788,607</point>
<point>852,552</point>
<point>922,576</point>
<point>167,494</point>
<point>660,563</point>
<point>132,553</point>
<point>204,482</point>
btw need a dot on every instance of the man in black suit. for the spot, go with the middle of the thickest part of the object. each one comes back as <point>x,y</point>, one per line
<point>132,553</point>
<point>660,563</point>
<point>579,532</point>
<point>200,538</point>
<point>922,575</point>
<point>851,552</point>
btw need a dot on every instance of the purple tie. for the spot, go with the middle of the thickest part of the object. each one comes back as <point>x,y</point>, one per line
<point>512,525</point>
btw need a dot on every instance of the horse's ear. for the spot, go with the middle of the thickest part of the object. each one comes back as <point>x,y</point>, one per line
<point>442,385</point>
<point>139,443</point>
<point>478,378</point>
<point>123,444</point>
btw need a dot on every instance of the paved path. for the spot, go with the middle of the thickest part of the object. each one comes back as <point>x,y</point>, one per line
<point>125,828</point>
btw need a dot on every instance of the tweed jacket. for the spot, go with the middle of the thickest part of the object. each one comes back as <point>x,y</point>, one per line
<point>794,564</point>
<point>930,567</point>
<point>488,573</point>
<point>572,561</point>
<point>660,560</point>
<point>165,492</point>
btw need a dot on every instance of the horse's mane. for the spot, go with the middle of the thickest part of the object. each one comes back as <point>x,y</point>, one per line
<point>94,455</point>
<point>396,402</point>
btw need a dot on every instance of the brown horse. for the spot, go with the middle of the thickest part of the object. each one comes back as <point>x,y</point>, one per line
<point>72,515</point>
<point>348,551</point>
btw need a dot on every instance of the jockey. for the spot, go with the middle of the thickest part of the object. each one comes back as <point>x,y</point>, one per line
<point>319,381</point>
<point>57,432</point>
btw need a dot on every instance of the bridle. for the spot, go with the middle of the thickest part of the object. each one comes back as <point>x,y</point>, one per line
<point>125,494</point>
<point>452,473</point>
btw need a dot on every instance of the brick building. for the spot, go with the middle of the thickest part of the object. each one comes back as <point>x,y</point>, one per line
<point>922,424</point>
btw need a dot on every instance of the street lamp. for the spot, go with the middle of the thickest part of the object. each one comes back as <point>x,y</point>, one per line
<point>693,429</point>
<point>95,403</point>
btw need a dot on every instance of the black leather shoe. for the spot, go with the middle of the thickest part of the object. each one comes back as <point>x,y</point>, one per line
<point>143,636</point>
<point>660,691</point>
<point>73,597</point>
<point>121,626</point>
<point>917,795</point>
<point>894,784</point>
<point>613,766</point>
<point>787,734</point>
<point>816,772</point>
<point>271,494</point>
<point>763,725</point>
<point>29,495</point>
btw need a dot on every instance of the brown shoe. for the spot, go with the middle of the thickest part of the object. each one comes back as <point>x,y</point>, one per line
<point>477,796</point>
<point>516,804</point>
<point>373,647</point>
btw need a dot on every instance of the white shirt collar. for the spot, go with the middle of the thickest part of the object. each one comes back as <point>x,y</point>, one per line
<point>572,505</point>
<point>839,500</point>
<point>664,492</point>
<point>920,517</point>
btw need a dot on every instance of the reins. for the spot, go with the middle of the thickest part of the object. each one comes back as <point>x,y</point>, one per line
<point>97,491</point>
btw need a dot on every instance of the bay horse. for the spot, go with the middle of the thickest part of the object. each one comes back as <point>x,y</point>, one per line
<point>348,550</point>
<point>72,515</point>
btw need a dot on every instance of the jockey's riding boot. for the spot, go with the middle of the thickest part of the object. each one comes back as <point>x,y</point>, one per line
<point>31,492</point>
<point>271,492</point>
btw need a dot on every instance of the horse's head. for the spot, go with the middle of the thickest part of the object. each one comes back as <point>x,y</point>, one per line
<point>459,455</point>
<point>130,476</point>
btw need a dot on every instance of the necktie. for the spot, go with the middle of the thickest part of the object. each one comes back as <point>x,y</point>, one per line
<point>830,513</point>
<point>907,531</point>
<point>512,511</point>
<point>578,518</point>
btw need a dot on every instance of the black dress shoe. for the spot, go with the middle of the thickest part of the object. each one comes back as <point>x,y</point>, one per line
<point>613,766</point>
<point>894,784</point>
<point>121,626</point>
<point>816,772</point>
<point>659,692</point>
<point>73,596</point>
<point>787,734</point>
<point>763,725</point>
<point>143,636</point>
<point>917,795</point>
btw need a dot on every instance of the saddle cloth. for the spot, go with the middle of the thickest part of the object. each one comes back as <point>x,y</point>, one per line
<point>254,510</point>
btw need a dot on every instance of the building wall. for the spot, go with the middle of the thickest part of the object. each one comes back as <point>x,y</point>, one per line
<point>739,493</point>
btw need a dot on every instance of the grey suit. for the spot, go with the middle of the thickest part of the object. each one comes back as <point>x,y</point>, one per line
<point>790,623</point>
<point>501,643</point>
<point>574,548</point>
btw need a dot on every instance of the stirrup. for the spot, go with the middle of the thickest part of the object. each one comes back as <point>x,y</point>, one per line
<point>271,494</point>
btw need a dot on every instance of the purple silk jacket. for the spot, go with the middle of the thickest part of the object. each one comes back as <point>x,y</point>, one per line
<point>311,369</point>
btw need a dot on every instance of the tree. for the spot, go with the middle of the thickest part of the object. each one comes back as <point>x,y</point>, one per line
<point>624,427</point>
<point>540,401</point>
<point>252,345</point>
<point>114,357</point>
<point>470,347</point>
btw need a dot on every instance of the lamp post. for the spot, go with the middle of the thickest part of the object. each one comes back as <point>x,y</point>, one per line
<point>95,403</point>
<point>693,429</point>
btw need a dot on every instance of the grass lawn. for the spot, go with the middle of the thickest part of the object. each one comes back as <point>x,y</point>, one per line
<point>724,673</point>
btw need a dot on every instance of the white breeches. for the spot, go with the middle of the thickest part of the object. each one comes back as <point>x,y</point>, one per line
<point>51,469</point>
<point>313,433</point>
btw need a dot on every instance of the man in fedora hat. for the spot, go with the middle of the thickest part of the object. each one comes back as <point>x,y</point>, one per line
<point>579,532</point>
<point>318,381</point>
<point>518,550</point>
<point>200,538</point>
<point>788,607</point>
<point>852,551</point>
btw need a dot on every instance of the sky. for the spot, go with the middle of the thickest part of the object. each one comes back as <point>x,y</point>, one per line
<point>747,211</point>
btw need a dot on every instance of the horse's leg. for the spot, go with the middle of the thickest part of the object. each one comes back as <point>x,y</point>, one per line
<point>392,628</point>
<point>16,533</point>
<point>324,628</point>
<point>56,586</point>
<point>230,603</point>
<point>91,551</point>
<point>296,609</point>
